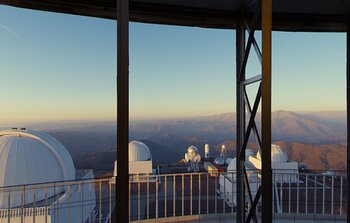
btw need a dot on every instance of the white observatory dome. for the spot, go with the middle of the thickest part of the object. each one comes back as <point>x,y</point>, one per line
<point>138,151</point>
<point>277,154</point>
<point>29,157</point>
<point>220,160</point>
<point>192,150</point>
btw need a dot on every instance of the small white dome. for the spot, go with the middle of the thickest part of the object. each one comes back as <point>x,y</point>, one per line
<point>29,157</point>
<point>277,154</point>
<point>138,151</point>
<point>192,150</point>
<point>220,161</point>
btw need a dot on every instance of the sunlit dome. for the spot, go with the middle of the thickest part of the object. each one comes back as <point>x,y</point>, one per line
<point>192,150</point>
<point>277,154</point>
<point>28,157</point>
<point>138,151</point>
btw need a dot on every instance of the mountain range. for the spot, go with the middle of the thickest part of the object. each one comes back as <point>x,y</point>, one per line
<point>313,138</point>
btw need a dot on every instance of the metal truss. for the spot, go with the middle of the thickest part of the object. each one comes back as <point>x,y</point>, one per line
<point>263,95</point>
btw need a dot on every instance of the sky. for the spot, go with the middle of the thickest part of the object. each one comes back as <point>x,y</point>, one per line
<point>63,67</point>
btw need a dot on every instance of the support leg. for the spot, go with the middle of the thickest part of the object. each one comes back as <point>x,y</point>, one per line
<point>347,115</point>
<point>240,112</point>
<point>266,111</point>
<point>122,182</point>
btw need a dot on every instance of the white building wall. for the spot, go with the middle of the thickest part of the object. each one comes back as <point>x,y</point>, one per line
<point>282,172</point>
<point>137,167</point>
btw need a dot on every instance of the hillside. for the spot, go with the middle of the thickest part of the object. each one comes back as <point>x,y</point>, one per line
<point>316,134</point>
<point>104,160</point>
<point>314,156</point>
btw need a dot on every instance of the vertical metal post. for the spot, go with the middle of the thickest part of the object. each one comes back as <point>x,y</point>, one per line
<point>80,217</point>
<point>110,203</point>
<point>122,181</point>
<point>306,193</point>
<point>323,193</point>
<point>348,115</point>
<point>174,194</point>
<point>199,193</point>
<point>341,196</point>
<point>182,197</point>
<point>266,111</point>
<point>165,196</point>
<point>157,206</point>
<point>240,113</point>
<point>100,201</point>
<point>207,193</point>
<point>139,197</point>
<point>191,186</point>
<point>147,202</point>
<point>332,196</point>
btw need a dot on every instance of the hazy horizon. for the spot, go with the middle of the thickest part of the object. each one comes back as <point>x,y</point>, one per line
<point>57,124</point>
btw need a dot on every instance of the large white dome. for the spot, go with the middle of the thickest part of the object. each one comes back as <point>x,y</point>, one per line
<point>138,151</point>
<point>29,157</point>
<point>277,154</point>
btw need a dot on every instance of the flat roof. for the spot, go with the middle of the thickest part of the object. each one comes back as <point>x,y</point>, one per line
<point>288,15</point>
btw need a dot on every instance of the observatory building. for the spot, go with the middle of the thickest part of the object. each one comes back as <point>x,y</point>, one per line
<point>193,158</point>
<point>140,159</point>
<point>284,170</point>
<point>28,157</point>
<point>192,155</point>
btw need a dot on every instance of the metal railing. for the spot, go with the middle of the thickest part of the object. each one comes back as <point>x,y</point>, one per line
<point>191,194</point>
<point>166,196</point>
<point>85,200</point>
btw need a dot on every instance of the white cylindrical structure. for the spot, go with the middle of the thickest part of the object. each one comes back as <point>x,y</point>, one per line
<point>206,151</point>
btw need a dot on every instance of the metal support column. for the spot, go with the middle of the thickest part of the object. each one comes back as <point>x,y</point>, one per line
<point>266,27</point>
<point>347,115</point>
<point>122,181</point>
<point>243,106</point>
<point>240,117</point>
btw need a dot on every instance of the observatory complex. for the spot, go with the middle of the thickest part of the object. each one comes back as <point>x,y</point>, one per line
<point>300,197</point>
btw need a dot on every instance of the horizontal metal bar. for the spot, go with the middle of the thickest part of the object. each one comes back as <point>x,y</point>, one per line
<point>252,79</point>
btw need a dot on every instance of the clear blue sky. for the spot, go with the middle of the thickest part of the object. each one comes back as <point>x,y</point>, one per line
<point>63,67</point>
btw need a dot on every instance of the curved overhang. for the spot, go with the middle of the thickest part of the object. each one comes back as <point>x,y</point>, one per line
<point>288,15</point>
